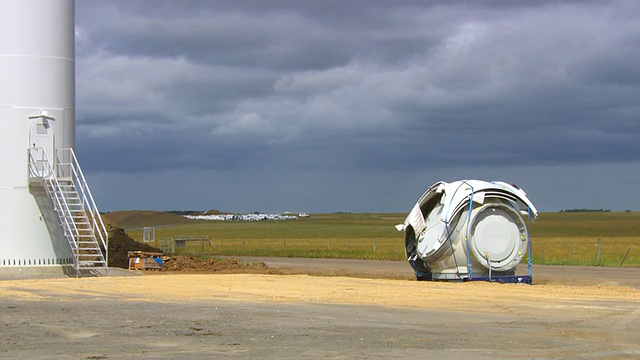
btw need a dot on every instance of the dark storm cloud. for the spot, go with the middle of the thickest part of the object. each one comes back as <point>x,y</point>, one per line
<point>350,88</point>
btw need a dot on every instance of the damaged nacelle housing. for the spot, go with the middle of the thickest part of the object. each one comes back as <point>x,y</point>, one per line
<point>469,230</point>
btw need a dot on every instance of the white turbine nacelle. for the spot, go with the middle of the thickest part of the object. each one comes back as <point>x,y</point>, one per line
<point>469,230</point>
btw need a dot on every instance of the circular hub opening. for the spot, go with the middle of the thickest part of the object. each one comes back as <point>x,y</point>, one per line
<point>498,237</point>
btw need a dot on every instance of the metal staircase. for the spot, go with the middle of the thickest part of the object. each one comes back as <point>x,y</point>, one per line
<point>77,213</point>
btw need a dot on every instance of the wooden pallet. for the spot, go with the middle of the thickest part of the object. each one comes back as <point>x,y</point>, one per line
<point>140,260</point>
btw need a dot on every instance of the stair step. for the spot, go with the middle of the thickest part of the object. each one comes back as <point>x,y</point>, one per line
<point>91,264</point>
<point>84,264</point>
<point>70,211</point>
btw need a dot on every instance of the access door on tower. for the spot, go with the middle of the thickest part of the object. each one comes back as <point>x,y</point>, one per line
<point>42,146</point>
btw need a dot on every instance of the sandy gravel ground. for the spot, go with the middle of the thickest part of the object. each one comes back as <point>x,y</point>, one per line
<point>323,315</point>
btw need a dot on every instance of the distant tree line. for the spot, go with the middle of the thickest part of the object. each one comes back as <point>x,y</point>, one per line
<point>585,210</point>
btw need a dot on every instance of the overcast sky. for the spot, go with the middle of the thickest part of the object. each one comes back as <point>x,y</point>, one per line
<point>323,106</point>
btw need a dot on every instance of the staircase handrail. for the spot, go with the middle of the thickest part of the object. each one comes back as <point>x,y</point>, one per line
<point>47,174</point>
<point>87,198</point>
<point>43,161</point>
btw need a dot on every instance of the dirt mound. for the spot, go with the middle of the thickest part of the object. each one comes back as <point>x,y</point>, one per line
<point>120,244</point>
<point>192,264</point>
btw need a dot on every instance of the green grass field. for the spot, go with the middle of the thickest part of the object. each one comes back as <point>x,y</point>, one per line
<point>573,238</point>
<point>557,238</point>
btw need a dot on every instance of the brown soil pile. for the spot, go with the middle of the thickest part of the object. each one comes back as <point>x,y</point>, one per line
<point>120,244</point>
<point>192,264</point>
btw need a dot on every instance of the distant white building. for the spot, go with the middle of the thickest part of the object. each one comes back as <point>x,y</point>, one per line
<point>242,217</point>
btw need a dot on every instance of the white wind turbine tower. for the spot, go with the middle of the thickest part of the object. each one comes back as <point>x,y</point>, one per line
<point>48,219</point>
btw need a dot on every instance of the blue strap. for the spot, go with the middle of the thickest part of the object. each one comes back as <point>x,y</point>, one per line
<point>469,269</point>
